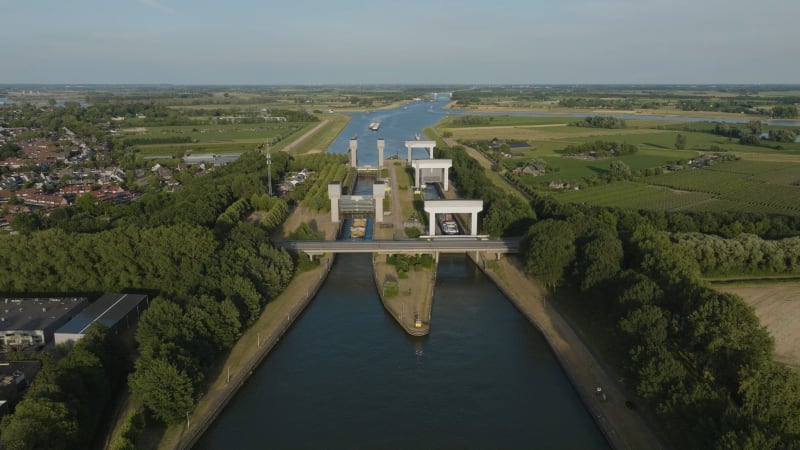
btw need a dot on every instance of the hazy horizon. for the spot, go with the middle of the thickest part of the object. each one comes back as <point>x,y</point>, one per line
<point>508,42</point>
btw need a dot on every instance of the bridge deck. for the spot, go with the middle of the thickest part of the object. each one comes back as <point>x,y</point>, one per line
<point>459,244</point>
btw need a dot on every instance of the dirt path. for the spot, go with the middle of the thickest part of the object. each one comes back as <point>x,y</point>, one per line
<point>623,427</point>
<point>306,135</point>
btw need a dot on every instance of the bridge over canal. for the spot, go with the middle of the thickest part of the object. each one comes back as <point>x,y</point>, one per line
<point>438,244</point>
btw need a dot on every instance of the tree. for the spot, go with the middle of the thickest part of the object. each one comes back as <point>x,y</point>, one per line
<point>619,170</point>
<point>647,325</point>
<point>40,424</point>
<point>781,135</point>
<point>784,111</point>
<point>26,223</point>
<point>599,259</point>
<point>164,389</point>
<point>548,249</point>
<point>770,396</point>
<point>680,142</point>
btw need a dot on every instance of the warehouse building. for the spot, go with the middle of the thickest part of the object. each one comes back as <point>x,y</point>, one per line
<point>116,312</point>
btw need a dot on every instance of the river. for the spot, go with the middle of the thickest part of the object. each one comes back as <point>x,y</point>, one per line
<point>347,376</point>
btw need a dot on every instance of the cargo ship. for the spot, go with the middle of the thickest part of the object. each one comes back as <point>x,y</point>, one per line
<point>358,228</point>
<point>374,126</point>
<point>447,223</point>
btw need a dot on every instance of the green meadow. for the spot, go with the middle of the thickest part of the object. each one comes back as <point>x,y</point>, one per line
<point>217,138</point>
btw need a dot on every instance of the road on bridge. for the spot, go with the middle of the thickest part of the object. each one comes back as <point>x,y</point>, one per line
<point>444,245</point>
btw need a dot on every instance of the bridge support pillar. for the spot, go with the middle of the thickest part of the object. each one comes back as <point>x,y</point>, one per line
<point>473,226</point>
<point>431,224</point>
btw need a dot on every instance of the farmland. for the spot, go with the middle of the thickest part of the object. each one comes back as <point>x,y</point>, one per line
<point>765,178</point>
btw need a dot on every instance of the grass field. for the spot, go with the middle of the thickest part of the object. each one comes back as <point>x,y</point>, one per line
<point>217,138</point>
<point>324,137</point>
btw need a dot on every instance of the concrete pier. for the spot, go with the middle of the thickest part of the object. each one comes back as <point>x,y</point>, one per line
<point>411,307</point>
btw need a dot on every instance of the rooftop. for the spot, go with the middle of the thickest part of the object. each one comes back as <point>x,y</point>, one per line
<point>36,313</point>
<point>108,310</point>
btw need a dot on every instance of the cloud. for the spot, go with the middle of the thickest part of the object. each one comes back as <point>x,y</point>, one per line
<point>157,5</point>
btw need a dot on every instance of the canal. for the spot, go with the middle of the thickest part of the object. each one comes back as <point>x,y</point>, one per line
<point>347,376</point>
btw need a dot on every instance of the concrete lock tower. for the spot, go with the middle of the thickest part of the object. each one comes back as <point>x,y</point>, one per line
<point>354,152</point>
<point>378,193</point>
<point>381,146</point>
<point>334,194</point>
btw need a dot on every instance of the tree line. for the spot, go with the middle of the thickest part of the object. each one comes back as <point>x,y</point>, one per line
<point>601,149</point>
<point>600,122</point>
<point>752,132</point>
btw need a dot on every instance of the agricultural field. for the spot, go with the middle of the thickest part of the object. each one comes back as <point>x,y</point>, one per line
<point>749,184</point>
<point>702,189</point>
<point>634,195</point>
<point>765,179</point>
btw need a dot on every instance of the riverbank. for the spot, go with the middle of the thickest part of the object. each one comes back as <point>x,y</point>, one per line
<point>623,427</point>
<point>249,351</point>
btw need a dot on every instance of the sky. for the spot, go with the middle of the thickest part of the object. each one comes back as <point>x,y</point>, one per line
<point>311,42</point>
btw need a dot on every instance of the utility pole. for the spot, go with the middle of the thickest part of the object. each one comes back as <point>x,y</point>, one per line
<point>269,170</point>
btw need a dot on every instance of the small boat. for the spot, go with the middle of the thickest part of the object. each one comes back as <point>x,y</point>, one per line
<point>374,126</point>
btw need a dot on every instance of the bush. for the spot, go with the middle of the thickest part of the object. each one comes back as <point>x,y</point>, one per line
<point>390,289</point>
<point>413,232</point>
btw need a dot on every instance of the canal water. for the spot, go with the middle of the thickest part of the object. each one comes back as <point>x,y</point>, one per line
<point>347,376</point>
<point>397,126</point>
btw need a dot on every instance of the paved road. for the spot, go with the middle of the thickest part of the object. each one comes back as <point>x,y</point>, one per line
<point>450,244</point>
